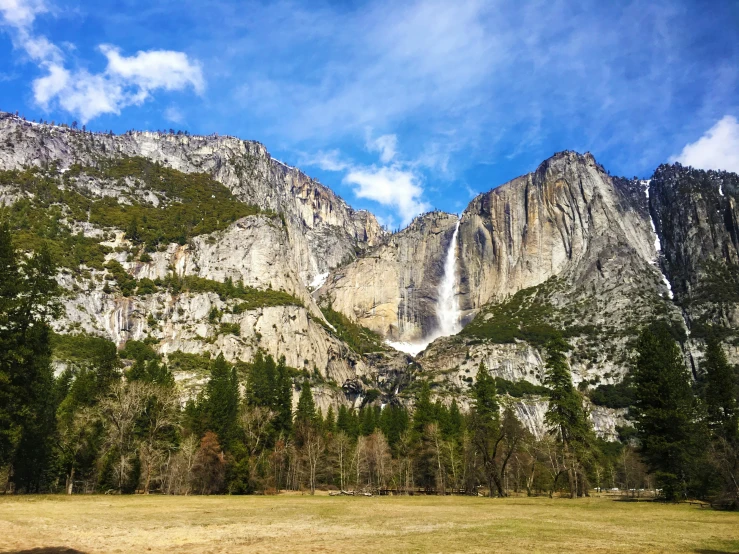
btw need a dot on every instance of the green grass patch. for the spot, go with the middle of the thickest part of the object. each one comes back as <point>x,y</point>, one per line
<point>524,316</point>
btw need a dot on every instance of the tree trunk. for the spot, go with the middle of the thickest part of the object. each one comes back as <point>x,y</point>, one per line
<point>120,474</point>
<point>572,482</point>
<point>70,481</point>
<point>148,479</point>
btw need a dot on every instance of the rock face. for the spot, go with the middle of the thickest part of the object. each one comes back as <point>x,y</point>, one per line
<point>393,289</point>
<point>251,250</point>
<point>323,229</point>
<point>565,247</point>
<point>696,214</point>
<point>566,219</point>
<point>307,230</point>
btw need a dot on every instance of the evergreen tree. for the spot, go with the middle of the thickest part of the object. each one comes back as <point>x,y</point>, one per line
<point>485,424</point>
<point>720,389</point>
<point>347,421</point>
<point>454,423</point>
<point>485,394</point>
<point>369,423</point>
<point>393,423</point>
<point>28,302</point>
<point>222,400</point>
<point>283,403</point>
<point>423,409</point>
<point>329,424</point>
<point>566,418</point>
<point>664,410</point>
<point>306,411</point>
<point>720,392</point>
<point>258,387</point>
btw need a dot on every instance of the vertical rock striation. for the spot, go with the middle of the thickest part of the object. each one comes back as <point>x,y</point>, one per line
<point>394,288</point>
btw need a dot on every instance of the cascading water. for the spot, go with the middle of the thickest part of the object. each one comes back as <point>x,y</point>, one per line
<point>447,306</point>
<point>447,311</point>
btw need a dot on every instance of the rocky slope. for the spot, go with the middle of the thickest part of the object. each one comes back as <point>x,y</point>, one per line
<point>323,229</point>
<point>180,294</point>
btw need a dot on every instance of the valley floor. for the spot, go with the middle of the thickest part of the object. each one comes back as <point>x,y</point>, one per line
<point>288,523</point>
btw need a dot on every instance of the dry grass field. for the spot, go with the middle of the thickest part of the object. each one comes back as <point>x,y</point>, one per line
<point>287,523</point>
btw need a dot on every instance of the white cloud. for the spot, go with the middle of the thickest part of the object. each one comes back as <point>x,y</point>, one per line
<point>21,13</point>
<point>718,148</point>
<point>154,69</point>
<point>395,184</point>
<point>173,114</point>
<point>386,145</point>
<point>390,186</point>
<point>125,81</point>
<point>328,161</point>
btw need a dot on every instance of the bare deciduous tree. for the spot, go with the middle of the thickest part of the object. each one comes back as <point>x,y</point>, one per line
<point>120,410</point>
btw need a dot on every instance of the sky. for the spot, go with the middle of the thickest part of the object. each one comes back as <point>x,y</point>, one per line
<point>398,106</point>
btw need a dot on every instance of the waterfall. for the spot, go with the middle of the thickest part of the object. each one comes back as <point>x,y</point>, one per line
<point>447,310</point>
<point>447,306</point>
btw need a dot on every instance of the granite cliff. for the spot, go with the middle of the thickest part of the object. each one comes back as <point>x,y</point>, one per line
<point>203,245</point>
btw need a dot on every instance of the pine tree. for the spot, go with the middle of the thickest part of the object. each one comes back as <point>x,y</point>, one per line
<point>329,424</point>
<point>720,392</point>
<point>485,426</point>
<point>454,423</point>
<point>222,400</point>
<point>423,409</point>
<point>306,410</point>
<point>566,417</point>
<point>28,301</point>
<point>367,417</point>
<point>283,403</point>
<point>348,422</point>
<point>664,410</point>
<point>394,421</point>
<point>258,390</point>
<point>485,394</point>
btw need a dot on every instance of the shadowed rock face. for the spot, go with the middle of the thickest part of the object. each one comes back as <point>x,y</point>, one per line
<point>696,214</point>
<point>393,289</point>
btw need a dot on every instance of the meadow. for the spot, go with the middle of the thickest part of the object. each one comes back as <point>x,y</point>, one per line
<point>296,523</point>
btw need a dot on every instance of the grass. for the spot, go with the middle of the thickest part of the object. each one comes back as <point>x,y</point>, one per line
<point>294,523</point>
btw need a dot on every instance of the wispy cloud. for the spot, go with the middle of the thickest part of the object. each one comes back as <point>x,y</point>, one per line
<point>393,183</point>
<point>491,80</point>
<point>386,145</point>
<point>126,80</point>
<point>174,115</point>
<point>718,148</point>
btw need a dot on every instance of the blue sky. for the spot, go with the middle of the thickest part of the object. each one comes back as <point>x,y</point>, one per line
<point>398,106</point>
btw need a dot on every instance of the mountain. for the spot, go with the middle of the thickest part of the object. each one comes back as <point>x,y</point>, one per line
<point>206,245</point>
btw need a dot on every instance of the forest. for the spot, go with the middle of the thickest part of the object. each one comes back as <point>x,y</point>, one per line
<point>116,422</point>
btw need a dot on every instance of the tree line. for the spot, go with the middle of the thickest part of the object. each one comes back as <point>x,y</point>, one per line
<point>100,426</point>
